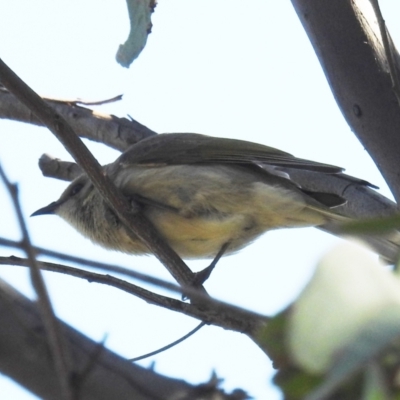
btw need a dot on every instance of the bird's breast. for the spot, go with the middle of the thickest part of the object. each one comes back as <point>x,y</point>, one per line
<point>201,236</point>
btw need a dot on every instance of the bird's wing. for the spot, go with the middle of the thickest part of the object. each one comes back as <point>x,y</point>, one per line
<point>192,148</point>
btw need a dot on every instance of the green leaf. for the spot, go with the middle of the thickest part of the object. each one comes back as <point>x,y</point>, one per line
<point>375,387</point>
<point>372,225</point>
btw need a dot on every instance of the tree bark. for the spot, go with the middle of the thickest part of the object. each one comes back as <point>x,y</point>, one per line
<point>348,45</point>
<point>98,374</point>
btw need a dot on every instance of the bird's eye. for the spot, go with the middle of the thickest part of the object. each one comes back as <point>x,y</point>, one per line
<point>76,189</point>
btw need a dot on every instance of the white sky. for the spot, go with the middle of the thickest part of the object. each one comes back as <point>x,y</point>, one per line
<point>225,68</point>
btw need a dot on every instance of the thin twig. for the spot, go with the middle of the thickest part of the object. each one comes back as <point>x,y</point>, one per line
<point>109,280</point>
<point>88,263</point>
<point>169,346</point>
<point>212,311</point>
<point>52,328</point>
<point>84,102</point>
<point>388,46</point>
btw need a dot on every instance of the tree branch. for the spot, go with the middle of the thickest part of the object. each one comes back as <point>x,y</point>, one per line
<point>56,168</point>
<point>99,374</point>
<point>210,311</point>
<point>60,353</point>
<point>350,51</point>
<point>118,133</point>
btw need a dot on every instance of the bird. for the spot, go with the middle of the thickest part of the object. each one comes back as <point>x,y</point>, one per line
<point>206,196</point>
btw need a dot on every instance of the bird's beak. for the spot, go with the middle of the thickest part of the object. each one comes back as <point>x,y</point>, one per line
<point>50,209</point>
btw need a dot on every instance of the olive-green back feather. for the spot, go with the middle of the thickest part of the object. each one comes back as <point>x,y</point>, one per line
<point>192,148</point>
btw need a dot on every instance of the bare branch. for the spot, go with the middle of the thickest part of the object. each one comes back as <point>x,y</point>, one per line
<point>98,102</point>
<point>99,374</point>
<point>169,346</point>
<point>389,49</point>
<point>352,56</point>
<point>210,310</point>
<point>56,168</point>
<point>59,352</point>
<point>118,133</point>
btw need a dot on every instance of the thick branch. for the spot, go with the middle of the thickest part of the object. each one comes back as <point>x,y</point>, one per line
<point>118,133</point>
<point>56,168</point>
<point>99,374</point>
<point>349,48</point>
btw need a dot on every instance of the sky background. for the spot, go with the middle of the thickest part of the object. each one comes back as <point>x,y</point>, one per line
<point>229,68</point>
